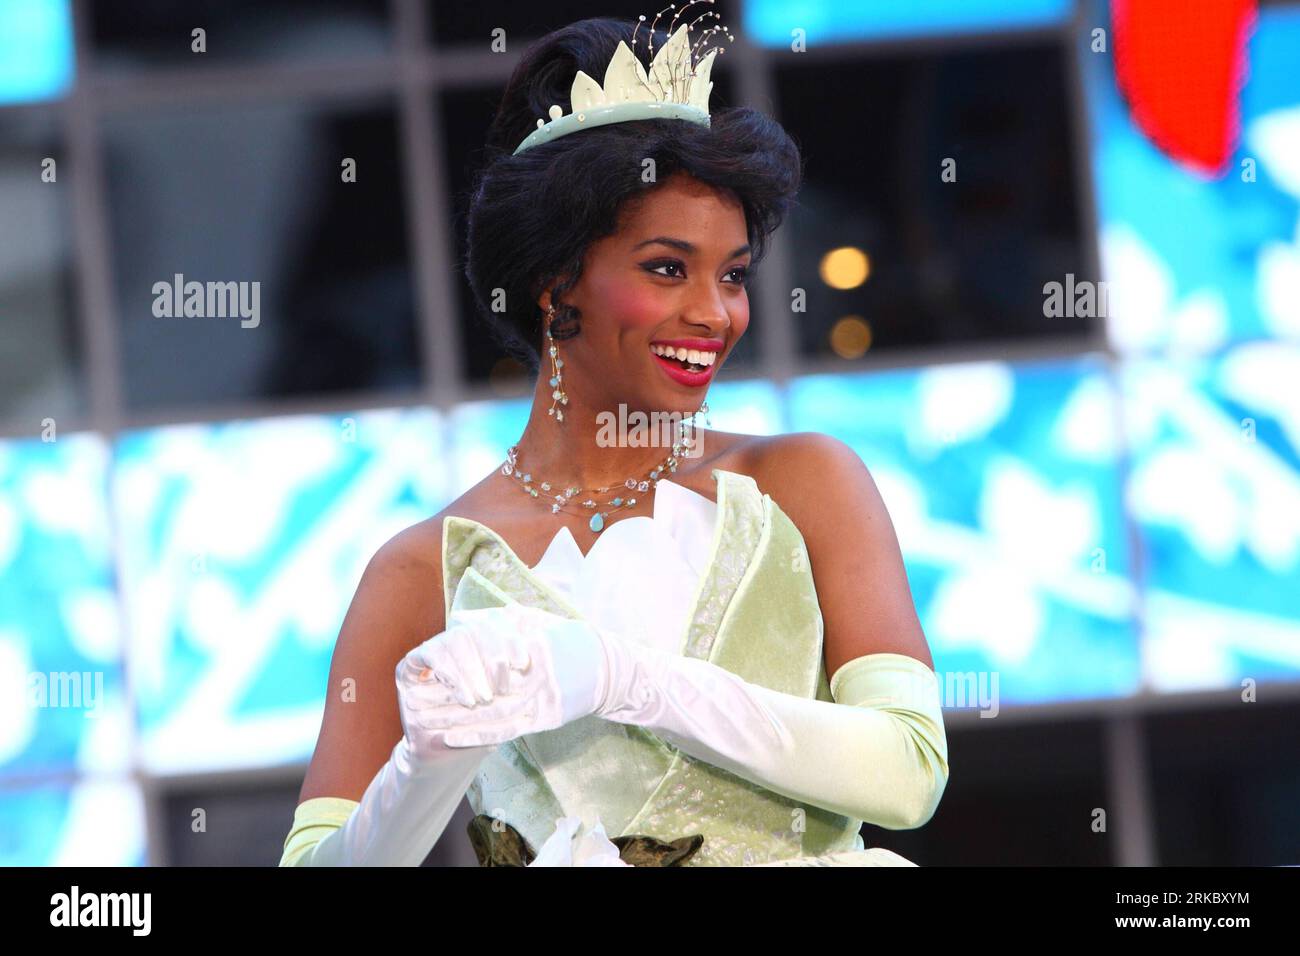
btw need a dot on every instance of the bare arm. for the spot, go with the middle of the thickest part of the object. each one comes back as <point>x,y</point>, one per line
<point>397,605</point>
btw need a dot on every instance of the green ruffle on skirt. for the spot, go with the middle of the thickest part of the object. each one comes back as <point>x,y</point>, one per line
<point>497,843</point>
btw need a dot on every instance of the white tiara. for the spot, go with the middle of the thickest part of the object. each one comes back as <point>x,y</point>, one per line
<point>674,88</point>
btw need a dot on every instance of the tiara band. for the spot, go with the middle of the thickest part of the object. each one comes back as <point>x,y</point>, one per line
<point>673,88</point>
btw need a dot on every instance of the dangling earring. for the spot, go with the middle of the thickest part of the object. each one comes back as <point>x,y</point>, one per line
<point>557,377</point>
<point>689,426</point>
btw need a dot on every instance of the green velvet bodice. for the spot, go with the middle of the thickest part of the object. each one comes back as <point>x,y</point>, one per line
<point>755,614</point>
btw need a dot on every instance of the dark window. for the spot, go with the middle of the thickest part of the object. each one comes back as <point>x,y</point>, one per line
<point>948,262</point>
<point>138,33</point>
<point>1018,794</point>
<point>457,22</point>
<point>255,192</point>
<point>1225,785</point>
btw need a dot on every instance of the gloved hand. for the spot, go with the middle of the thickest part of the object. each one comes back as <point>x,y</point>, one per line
<point>472,672</point>
<point>412,797</point>
<point>878,753</point>
<point>502,672</point>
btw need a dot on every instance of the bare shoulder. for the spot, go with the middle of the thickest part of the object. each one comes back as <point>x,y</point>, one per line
<point>410,565</point>
<point>810,474</point>
<point>793,468</point>
<point>405,573</point>
<point>785,454</point>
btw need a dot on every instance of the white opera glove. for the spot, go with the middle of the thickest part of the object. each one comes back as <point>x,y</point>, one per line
<point>413,796</point>
<point>879,753</point>
<point>546,671</point>
<point>402,814</point>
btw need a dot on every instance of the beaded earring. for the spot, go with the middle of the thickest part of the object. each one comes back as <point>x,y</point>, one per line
<point>557,377</point>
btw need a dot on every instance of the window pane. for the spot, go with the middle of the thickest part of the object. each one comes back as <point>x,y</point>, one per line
<point>40,345</point>
<point>250,201</point>
<point>930,259</point>
<point>129,34</point>
<point>466,116</point>
<point>454,21</point>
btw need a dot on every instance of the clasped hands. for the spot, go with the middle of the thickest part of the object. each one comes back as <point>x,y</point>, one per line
<point>498,673</point>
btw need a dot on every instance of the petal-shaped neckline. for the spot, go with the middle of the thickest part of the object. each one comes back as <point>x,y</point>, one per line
<point>564,537</point>
<point>542,585</point>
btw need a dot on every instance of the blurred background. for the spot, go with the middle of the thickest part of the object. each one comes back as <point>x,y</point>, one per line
<point>1096,487</point>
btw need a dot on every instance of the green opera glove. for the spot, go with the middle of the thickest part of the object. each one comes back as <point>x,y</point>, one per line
<point>878,753</point>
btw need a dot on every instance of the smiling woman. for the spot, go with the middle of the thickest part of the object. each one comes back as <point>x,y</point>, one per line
<point>664,699</point>
<point>536,215</point>
<point>694,266</point>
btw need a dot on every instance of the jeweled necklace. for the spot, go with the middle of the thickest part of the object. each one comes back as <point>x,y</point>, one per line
<point>617,503</point>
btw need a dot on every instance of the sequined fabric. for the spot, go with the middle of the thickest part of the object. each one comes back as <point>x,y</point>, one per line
<point>756,615</point>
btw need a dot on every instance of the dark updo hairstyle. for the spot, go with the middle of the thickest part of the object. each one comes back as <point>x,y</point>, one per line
<point>532,216</point>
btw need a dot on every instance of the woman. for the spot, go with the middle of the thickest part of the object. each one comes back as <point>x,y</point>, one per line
<point>627,667</point>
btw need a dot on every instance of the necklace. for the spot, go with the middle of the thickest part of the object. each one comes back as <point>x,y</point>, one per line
<point>618,503</point>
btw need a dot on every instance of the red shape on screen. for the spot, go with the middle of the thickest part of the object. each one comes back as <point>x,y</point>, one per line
<point>1181,65</point>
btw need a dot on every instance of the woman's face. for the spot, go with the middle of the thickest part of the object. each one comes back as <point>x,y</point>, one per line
<point>672,275</point>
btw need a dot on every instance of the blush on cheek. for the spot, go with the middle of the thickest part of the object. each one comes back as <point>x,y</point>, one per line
<point>630,305</point>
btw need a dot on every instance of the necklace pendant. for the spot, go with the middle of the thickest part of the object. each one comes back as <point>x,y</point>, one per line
<point>597,522</point>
